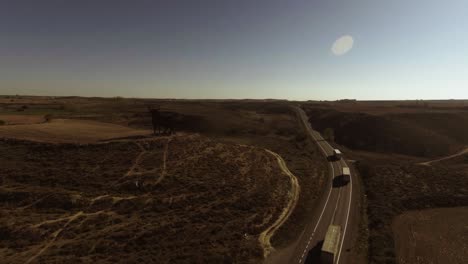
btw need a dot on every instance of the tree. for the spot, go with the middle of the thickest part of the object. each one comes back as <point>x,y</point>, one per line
<point>329,134</point>
<point>162,120</point>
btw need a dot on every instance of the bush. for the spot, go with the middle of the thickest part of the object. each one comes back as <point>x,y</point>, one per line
<point>300,137</point>
<point>329,134</point>
<point>48,118</point>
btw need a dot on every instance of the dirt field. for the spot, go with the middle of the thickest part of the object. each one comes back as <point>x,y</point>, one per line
<point>21,119</point>
<point>71,131</point>
<point>432,236</point>
<point>174,199</point>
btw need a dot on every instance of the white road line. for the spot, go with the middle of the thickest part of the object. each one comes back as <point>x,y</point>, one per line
<point>349,209</point>
<point>347,216</point>
<point>336,206</point>
<point>350,193</point>
<point>311,132</point>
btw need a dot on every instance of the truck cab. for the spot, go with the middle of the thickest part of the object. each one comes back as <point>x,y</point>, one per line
<point>346,175</point>
<point>337,154</point>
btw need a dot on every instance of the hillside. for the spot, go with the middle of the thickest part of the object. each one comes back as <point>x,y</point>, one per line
<point>416,134</point>
<point>172,199</point>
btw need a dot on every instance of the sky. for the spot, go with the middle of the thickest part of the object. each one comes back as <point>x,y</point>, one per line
<point>294,49</point>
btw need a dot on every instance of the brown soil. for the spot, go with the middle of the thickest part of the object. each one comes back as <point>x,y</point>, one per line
<point>181,199</point>
<point>293,197</point>
<point>69,131</point>
<point>432,236</point>
<point>22,119</point>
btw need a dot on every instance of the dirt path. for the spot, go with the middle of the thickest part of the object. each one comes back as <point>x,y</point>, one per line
<point>428,163</point>
<point>164,170</point>
<point>136,162</point>
<point>54,235</point>
<point>135,168</point>
<point>293,196</point>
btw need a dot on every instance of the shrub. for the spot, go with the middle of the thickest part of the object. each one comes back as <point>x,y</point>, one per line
<point>329,134</point>
<point>48,118</point>
<point>22,108</point>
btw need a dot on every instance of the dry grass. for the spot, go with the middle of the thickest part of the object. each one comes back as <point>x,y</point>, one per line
<point>69,131</point>
<point>432,236</point>
<point>392,189</point>
<point>108,203</point>
<point>264,124</point>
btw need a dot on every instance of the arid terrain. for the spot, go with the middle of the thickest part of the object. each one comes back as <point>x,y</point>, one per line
<point>83,180</point>
<point>410,158</point>
<point>432,235</point>
<point>145,199</point>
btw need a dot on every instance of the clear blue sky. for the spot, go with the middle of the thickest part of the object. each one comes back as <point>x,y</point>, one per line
<point>402,49</point>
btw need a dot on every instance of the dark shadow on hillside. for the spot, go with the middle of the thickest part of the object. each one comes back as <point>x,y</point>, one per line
<point>150,135</point>
<point>313,256</point>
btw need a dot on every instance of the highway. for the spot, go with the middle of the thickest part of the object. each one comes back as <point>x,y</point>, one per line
<point>337,206</point>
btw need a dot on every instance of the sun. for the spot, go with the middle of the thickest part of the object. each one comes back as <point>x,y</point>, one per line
<point>342,45</point>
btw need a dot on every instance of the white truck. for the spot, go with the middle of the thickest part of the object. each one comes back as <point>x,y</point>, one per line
<point>330,244</point>
<point>346,174</point>
<point>337,154</point>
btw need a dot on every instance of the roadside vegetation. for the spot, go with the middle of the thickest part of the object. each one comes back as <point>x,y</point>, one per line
<point>389,141</point>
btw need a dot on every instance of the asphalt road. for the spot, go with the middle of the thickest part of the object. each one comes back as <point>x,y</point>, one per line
<point>337,206</point>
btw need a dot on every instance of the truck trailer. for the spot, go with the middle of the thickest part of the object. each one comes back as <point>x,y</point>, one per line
<point>346,175</point>
<point>330,245</point>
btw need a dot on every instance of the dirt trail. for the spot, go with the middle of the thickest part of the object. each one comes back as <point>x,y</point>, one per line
<point>54,235</point>
<point>135,168</point>
<point>293,196</point>
<point>136,162</point>
<point>428,163</point>
<point>164,170</point>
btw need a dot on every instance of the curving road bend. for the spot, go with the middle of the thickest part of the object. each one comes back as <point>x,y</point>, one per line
<point>338,206</point>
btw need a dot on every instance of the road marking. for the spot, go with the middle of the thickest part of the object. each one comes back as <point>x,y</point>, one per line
<point>308,127</point>
<point>349,209</point>
<point>336,206</point>
<point>311,132</point>
<point>347,216</point>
